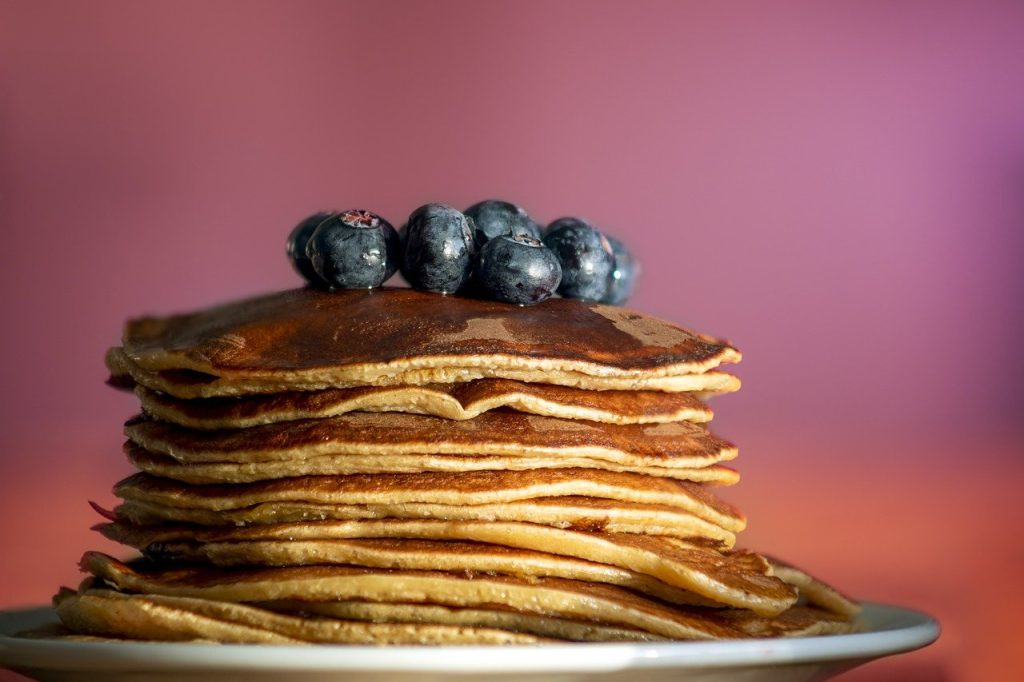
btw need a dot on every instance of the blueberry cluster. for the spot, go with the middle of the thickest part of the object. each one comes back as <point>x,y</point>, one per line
<point>492,249</point>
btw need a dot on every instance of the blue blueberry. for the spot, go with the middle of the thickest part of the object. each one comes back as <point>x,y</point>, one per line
<point>297,241</point>
<point>494,217</point>
<point>517,269</point>
<point>585,256</point>
<point>438,249</point>
<point>354,250</point>
<point>623,277</point>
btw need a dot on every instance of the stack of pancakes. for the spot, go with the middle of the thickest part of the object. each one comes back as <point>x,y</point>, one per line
<point>397,467</point>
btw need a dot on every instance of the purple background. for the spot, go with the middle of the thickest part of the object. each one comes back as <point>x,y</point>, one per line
<point>836,187</point>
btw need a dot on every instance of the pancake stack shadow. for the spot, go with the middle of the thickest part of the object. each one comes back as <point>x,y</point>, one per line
<point>392,467</point>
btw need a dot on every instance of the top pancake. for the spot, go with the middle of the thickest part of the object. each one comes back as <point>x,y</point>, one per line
<point>306,339</point>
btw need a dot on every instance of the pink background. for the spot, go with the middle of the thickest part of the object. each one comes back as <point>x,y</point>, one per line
<point>836,187</point>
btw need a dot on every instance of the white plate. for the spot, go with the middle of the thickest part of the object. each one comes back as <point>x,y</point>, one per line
<point>889,630</point>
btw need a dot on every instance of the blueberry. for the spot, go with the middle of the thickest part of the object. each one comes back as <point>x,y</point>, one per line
<point>297,241</point>
<point>623,277</point>
<point>494,217</point>
<point>438,249</point>
<point>354,250</point>
<point>517,269</point>
<point>585,256</point>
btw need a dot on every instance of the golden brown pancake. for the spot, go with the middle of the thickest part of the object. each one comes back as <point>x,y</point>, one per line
<point>577,513</point>
<point>450,401</point>
<point>106,613</point>
<point>331,465</point>
<point>306,339</point>
<point>734,578</point>
<point>814,591</point>
<point>493,617</point>
<point>189,384</point>
<point>500,433</point>
<point>797,621</point>
<point>103,614</point>
<point>554,597</point>
<point>394,492</point>
<point>449,556</point>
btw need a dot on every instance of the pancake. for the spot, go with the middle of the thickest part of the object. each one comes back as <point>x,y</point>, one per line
<point>553,597</point>
<point>395,492</point>
<point>189,384</point>
<point>457,557</point>
<point>577,513</point>
<point>501,433</point>
<point>494,617</point>
<point>798,621</point>
<point>296,339</point>
<point>734,578</point>
<point>110,614</point>
<point>814,591</point>
<point>106,613</point>
<point>450,401</point>
<point>331,465</point>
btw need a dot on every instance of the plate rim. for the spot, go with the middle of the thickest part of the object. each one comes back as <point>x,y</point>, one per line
<point>912,630</point>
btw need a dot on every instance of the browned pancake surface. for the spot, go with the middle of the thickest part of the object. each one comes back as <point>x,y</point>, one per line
<point>345,464</point>
<point>493,433</point>
<point>544,596</point>
<point>578,513</point>
<point>450,556</point>
<point>736,578</point>
<point>815,591</point>
<point>453,401</point>
<point>106,613</point>
<point>470,488</point>
<point>492,616</point>
<point>797,621</point>
<point>307,329</point>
